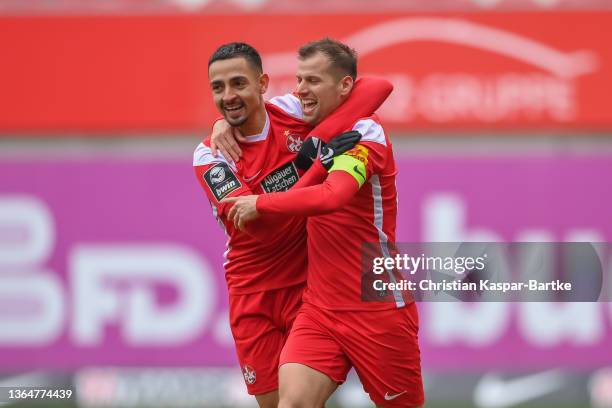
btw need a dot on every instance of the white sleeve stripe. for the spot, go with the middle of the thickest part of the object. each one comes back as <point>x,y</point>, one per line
<point>370,131</point>
<point>290,104</point>
<point>203,156</point>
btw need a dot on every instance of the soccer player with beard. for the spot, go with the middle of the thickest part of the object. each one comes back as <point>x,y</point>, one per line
<point>266,264</point>
<point>357,203</point>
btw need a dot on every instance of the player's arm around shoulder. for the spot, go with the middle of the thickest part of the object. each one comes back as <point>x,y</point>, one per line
<point>369,156</point>
<point>225,140</point>
<point>288,103</point>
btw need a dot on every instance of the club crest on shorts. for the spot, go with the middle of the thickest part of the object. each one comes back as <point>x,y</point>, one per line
<point>294,143</point>
<point>249,374</point>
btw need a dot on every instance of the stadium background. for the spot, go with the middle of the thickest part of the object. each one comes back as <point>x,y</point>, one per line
<point>110,261</point>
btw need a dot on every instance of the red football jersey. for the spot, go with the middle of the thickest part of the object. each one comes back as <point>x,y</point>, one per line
<point>272,254</point>
<point>335,240</point>
<point>343,216</point>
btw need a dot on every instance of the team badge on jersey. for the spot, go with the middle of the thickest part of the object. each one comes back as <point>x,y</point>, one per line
<point>294,142</point>
<point>221,180</point>
<point>280,179</point>
<point>249,374</point>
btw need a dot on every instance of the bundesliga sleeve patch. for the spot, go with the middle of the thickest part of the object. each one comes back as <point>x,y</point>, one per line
<point>280,179</point>
<point>221,180</point>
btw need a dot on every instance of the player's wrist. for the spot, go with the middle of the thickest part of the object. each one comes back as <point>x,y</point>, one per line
<point>269,203</point>
<point>260,203</point>
<point>318,167</point>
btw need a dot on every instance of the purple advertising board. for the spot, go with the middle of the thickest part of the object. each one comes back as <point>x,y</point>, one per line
<point>119,262</point>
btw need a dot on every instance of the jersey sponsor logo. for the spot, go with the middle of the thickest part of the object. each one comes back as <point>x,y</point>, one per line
<point>360,153</point>
<point>249,374</point>
<point>294,142</point>
<point>221,180</point>
<point>280,179</point>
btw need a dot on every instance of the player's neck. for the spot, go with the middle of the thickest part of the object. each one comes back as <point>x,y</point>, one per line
<point>255,124</point>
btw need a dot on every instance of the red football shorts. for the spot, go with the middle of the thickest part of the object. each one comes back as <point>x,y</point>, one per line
<point>381,345</point>
<point>260,324</point>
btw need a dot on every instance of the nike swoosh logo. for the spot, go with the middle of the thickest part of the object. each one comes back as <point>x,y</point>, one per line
<point>328,155</point>
<point>248,179</point>
<point>392,397</point>
<point>494,392</point>
<point>356,170</point>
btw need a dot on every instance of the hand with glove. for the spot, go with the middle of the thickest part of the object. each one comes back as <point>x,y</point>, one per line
<point>314,148</point>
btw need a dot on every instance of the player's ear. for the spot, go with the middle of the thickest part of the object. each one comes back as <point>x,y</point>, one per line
<point>346,85</point>
<point>264,80</point>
